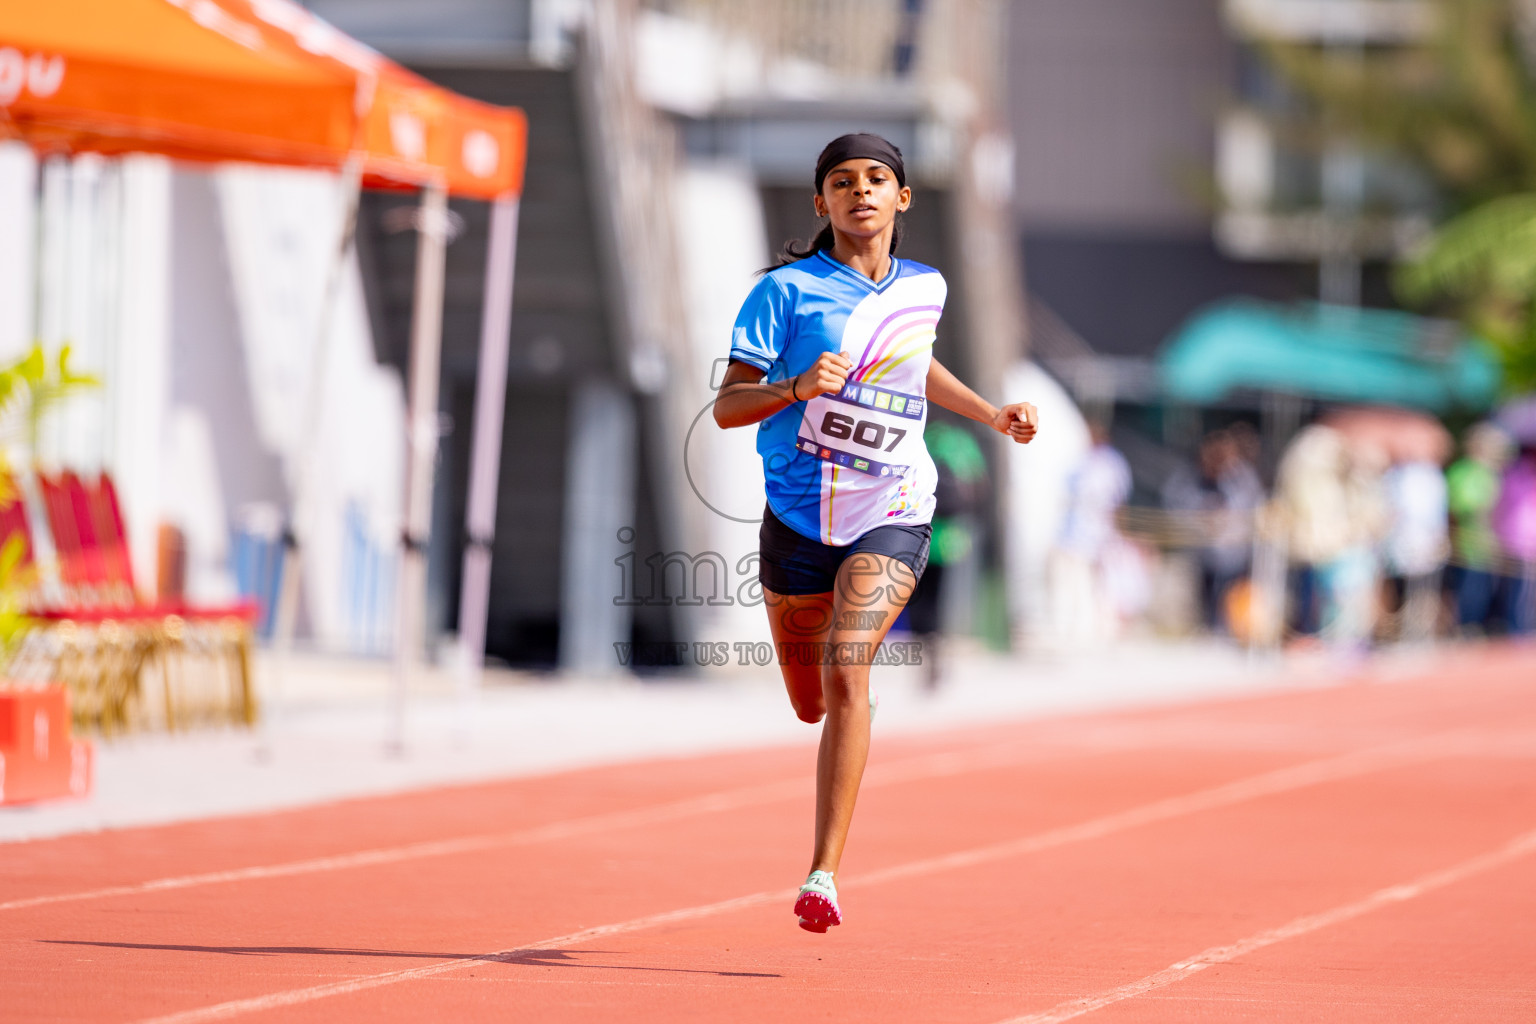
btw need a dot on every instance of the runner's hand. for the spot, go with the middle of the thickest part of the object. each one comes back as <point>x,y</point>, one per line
<point>827,376</point>
<point>1021,421</point>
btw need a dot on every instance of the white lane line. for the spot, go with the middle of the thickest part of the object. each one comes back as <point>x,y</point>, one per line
<point>1270,783</point>
<point>575,827</point>
<point>891,772</point>
<point>928,766</point>
<point>293,997</point>
<point>1515,849</point>
<point>1311,773</point>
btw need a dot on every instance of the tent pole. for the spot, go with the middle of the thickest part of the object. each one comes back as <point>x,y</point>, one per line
<point>285,613</point>
<point>421,447</point>
<point>485,450</point>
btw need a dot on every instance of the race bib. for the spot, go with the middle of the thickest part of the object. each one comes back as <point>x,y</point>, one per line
<point>863,428</point>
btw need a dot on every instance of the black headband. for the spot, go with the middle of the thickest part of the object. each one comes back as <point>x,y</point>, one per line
<point>861,146</point>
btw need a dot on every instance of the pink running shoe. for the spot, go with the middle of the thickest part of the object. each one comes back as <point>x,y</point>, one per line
<point>816,905</point>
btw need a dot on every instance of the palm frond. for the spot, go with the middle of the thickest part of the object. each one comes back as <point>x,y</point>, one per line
<point>1489,249</point>
<point>1460,103</point>
<point>68,379</point>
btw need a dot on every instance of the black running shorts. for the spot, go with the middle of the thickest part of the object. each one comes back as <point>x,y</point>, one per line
<point>792,564</point>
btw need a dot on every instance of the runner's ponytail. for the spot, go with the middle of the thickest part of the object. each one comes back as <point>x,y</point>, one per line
<point>795,250</point>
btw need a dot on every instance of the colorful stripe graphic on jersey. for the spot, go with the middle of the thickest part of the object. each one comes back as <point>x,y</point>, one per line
<point>838,465</point>
<point>906,330</point>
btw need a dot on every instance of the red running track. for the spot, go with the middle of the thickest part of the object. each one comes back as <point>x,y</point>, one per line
<point>1360,853</point>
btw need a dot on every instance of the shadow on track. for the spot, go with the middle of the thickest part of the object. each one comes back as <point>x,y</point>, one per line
<point>526,957</point>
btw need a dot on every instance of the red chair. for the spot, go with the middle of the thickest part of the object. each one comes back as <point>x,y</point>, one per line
<point>61,527</point>
<point>107,522</point>
<point>97,660</point>
<point>92,563</point>
<point>90,536</point>
<point>106,517</point>
<point>225,629</point>
<point>13,519</point>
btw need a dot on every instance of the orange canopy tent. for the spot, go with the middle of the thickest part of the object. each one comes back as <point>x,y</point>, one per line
<point>250,80</point>
<point>265,81</point>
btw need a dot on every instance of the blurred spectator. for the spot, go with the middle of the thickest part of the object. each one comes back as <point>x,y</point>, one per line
<point>1224,492</point>
<point>1332,515</point>
<point>1246,438</point>
<point>1089,603</point>
<point>1514,523</point>
<point>958,500</point>
<point>1472,490</point>
<point>1416,544</point>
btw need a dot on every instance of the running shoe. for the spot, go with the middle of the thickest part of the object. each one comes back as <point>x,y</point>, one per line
<point>816,905</point>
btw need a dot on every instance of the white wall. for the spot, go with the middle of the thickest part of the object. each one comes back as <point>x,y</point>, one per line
<point>724,243</point>
<point>96,279</point>
<point>1038,475</point>
<point>139,380</point>
<point>347,463</point>
<point>216,466</point>
<point>18,184</point>
<point>207,362</point>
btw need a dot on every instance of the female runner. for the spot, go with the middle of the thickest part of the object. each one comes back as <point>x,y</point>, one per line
<point>832,356</point>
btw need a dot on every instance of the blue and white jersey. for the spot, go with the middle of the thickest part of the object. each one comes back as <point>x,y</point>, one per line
<point>840,465</point>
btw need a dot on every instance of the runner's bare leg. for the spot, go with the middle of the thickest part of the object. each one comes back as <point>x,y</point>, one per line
<point>800,624</point>
<point>871,591</point>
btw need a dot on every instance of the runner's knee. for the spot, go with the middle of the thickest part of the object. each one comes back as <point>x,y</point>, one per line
<point>805,694</point>
<point>846,683</point>
<point>807,712</point>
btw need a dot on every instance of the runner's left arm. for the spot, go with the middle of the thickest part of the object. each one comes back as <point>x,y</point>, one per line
<point>745,399</point>
<point>1020,420</point>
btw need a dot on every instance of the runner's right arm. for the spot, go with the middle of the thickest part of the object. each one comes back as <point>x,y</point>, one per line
<point>744,399</point>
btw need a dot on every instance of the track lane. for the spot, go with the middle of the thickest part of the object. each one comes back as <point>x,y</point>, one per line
<point>1517,849</point>
<point>249,938</point>
<point>1268,785</point>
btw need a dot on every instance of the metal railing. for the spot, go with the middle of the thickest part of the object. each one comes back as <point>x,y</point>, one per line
<point>864,39</point>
